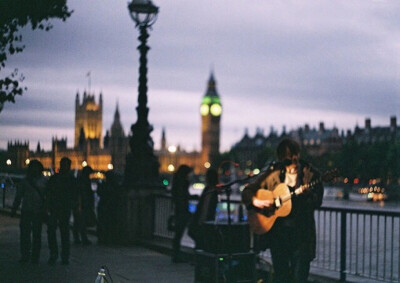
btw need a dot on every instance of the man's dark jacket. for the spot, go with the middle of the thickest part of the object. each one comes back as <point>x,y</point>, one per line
<point>61,193</point>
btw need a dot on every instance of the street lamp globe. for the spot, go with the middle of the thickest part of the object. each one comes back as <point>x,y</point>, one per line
<point>143,12</point>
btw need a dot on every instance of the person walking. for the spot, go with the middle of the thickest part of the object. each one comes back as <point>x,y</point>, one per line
<point>31,193</point>
<point>61,198</point>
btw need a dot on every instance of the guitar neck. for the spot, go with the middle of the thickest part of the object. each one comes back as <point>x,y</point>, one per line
<point>298,191</point>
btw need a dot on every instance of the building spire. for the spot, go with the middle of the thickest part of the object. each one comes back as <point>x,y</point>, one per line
<point>163,139</point>
<point>116,128</point>
<point>88,75</point>
<point>116,113</point>
<point>211,86</point>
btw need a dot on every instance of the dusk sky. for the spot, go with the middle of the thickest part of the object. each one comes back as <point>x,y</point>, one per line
<point>276,63</point>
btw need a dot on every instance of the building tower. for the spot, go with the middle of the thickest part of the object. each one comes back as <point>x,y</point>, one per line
<point>89,117</point>
<point>210,110</point>
<point>118,142</point>
<point>163,140</point>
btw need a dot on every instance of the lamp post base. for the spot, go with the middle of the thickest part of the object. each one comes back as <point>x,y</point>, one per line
<point>142,165</point>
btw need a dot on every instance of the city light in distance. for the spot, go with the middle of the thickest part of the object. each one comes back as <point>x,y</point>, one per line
<point>172,148</point>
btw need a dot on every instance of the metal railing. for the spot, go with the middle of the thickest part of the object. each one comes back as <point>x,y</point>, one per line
<point>359,243</point>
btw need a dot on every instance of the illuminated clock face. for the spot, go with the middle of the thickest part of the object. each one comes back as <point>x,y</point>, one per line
<point>216,109</point>
<point>204,109</point>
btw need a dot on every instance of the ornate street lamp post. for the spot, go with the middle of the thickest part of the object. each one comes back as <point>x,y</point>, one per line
<point>141,164</point>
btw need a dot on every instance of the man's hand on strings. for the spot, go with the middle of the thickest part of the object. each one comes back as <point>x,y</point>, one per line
<point>260,203</point>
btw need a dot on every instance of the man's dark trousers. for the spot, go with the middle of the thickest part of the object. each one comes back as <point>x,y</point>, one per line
<point>61,220</point>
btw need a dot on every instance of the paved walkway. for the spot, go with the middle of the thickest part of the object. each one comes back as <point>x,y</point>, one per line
<point>126,264</point>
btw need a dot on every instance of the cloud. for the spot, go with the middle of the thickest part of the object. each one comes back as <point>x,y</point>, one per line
<point>276,63</point>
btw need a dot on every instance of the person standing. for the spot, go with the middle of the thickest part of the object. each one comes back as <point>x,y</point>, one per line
<point>181,197</point>
<point>109,206</point>
<point>292,239</point>
<point>61,198</point>
<point>84,210</point>
<point>31,193</point>
<point>206,209</point>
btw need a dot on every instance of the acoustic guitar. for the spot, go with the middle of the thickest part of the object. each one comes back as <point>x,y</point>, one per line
<point>262,220</point>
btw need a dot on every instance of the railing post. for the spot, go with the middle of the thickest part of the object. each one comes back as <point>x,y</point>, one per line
<point>343,232</point>
<point>4,195</point>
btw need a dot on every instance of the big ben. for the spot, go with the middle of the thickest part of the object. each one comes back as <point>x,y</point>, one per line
<point>210,110</point>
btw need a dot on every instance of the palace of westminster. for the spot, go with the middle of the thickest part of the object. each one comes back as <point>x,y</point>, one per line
<point>109,152</point>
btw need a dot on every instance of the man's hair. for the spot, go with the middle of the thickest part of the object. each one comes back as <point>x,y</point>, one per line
<point>65,164</point>
<point>287,147</point>
<point>87,170</point>
<point>35,169</point>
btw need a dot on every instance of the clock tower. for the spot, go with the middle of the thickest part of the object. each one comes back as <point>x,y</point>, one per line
<point>210,110</point>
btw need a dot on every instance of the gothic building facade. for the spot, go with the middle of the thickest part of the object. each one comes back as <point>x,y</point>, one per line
<point>88,120</point>
<point>90,148</point>
<point>88,143</point>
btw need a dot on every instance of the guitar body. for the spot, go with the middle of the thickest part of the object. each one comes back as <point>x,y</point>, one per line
<point>260,222</point>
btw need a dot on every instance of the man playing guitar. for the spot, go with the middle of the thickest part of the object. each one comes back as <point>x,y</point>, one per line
<point>292,238</point>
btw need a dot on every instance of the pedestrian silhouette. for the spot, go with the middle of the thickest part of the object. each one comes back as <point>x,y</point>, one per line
<point>181,197</point>
<point>61,198</point>
<point>206,209</point>
<point>84,210</point>
<point>108,210</point>
<point>31,191</point>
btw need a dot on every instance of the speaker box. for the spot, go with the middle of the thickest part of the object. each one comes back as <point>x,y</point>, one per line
<point>218,235</point>
<point>212,267</point>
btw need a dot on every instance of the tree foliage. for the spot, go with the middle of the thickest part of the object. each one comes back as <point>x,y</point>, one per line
<point>365,161</point>
<point>14,15</point>
<point>380,160</point>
